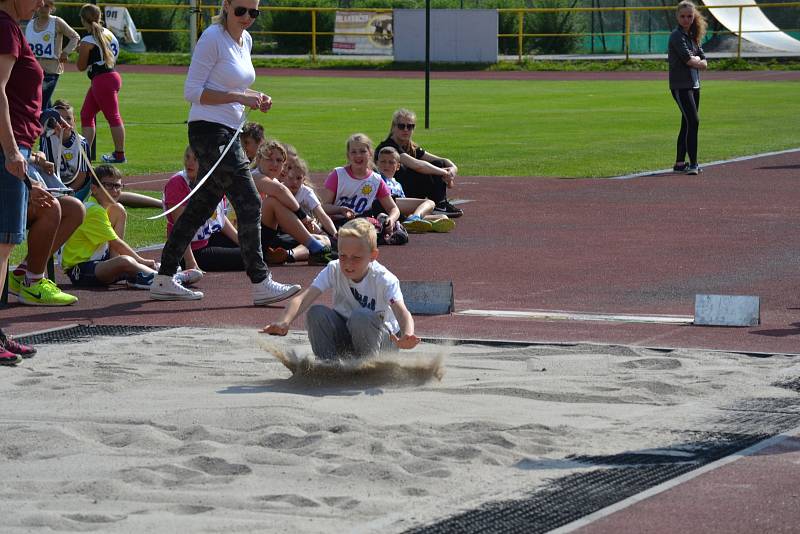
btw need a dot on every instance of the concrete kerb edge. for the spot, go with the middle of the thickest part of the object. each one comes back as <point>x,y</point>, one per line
<point>645,174</point>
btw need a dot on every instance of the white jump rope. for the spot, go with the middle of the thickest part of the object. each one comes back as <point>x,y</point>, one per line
<point>208,174</point>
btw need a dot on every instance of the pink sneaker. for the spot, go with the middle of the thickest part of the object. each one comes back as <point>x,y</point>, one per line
<point>15,347</point>
<point>9,358</point>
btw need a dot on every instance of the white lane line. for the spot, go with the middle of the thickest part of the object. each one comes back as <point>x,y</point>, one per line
<point>580,316</point>
<point>669,484</point>
<point>713,163</point>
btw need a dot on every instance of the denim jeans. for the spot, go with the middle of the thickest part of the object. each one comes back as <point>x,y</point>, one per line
<point>13,203</point>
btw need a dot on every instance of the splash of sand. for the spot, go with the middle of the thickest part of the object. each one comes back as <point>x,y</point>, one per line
<point>388,368</point>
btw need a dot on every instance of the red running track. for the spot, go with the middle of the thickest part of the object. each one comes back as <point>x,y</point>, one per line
<point>638,246</point>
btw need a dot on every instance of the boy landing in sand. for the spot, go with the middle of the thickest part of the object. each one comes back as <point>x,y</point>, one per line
<point>368,315</point>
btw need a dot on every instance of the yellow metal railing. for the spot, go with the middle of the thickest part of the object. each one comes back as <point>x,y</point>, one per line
<point>520,13</point>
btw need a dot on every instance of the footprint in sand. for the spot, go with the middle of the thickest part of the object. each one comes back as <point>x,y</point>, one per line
<point>652,364</point>
<point>95,518</point>
<point>28,382</point>
<point>289,499</point>
<point>343,503</point>
<point>217,466</point>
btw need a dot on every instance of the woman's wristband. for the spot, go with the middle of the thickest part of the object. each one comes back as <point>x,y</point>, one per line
<point>301,214</point>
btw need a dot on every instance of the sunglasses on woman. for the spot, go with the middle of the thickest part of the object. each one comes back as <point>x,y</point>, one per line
<point>239,11</point>
<point>403,126</point>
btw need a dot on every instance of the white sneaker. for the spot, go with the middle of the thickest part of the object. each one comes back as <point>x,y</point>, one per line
<point>268,291</point>
<point>189,276</point>
<point>169,288</point>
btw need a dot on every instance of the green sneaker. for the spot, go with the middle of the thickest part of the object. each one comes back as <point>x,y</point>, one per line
<point>45,293</point>
<point>417,225</point>
<point>15,282</point>
<point>443,225</point>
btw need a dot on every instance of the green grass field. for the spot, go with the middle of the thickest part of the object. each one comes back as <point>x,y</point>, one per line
<point>496,128</point>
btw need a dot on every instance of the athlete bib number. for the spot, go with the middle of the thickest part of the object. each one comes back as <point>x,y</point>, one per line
<point>355,203</point>
<point>114,50</point>
<point>40,50</point>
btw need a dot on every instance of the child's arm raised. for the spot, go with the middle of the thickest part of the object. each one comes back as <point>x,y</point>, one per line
<point>407,339</point>
<point>295,307</point>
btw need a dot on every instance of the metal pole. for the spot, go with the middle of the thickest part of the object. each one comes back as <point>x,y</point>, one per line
<point>739,43</point>
<point>520,31</point>
<point>193,25</point>
<point>627,35</point>
<point>427,63</point>
<point>313,35</point>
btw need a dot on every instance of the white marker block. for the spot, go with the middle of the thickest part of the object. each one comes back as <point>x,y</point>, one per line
<point>428,298</point>
<point>726,310</point>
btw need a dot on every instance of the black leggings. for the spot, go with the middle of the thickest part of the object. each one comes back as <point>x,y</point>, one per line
<point>418,185</point>
<point>223,254</point>
<point>689,103</point>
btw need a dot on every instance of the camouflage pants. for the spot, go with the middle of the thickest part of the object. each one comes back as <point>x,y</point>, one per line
<point>231,178</point>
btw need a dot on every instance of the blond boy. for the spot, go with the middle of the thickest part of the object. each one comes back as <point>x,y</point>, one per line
<point>368,313</point>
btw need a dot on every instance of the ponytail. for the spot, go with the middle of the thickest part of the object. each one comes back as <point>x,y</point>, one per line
<point>90,15</point>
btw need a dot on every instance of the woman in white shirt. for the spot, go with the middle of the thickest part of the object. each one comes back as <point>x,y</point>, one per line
<point>218,87</point>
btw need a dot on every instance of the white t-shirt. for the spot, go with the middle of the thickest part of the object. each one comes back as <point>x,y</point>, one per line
<point>219,64</point>
<point>307,199</point>
<point>376,291</point>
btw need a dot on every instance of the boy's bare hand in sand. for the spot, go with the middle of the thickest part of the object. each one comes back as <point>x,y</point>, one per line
<point>407,341</point>
<point>277,329</point>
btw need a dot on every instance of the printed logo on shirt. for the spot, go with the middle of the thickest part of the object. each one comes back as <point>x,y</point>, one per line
<point>68,156</point>
<point>363,300</point>
<point>366,189</point>
<point>46,37</point>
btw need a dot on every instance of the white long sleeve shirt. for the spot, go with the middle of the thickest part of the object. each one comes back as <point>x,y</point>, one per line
<point>219,64</point>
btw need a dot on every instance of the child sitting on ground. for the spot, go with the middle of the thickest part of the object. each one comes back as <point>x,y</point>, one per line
<point>96,254</point>
<point>350,191</point>
<point>368,314</point>
<point>418,212</point>
<point>251,138</point>
<point>295,178</point>
<point>280,210</point>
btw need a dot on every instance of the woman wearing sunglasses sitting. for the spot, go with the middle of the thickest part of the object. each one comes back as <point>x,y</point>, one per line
<point>422,174</point>
<point>218,87</point>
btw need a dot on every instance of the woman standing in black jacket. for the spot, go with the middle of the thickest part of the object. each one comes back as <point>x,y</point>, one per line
<point>686,60</point>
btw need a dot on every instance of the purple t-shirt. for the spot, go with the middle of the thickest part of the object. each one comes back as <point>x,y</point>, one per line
<point>24,86</point>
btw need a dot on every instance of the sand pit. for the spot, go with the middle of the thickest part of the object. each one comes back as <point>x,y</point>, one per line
<point>199,430</point>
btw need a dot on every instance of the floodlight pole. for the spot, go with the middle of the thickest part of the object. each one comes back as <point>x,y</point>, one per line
<point>427,63</point>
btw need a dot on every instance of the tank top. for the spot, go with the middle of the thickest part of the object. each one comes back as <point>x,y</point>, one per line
<point>43,43</point>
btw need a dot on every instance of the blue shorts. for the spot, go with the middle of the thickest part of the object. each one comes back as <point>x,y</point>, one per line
<point>82,275</point>
<point>13,203</point>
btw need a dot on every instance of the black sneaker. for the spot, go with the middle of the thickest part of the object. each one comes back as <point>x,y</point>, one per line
<point>322,257</point>
<point>444,207</point>
<point>680,167</point>
<point>693,169</point>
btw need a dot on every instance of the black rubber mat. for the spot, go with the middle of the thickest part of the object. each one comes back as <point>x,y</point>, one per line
<point>623,475</point>
<point>75,334</point>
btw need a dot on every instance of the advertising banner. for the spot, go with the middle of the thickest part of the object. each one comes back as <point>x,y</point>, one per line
<point>367,33</point>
